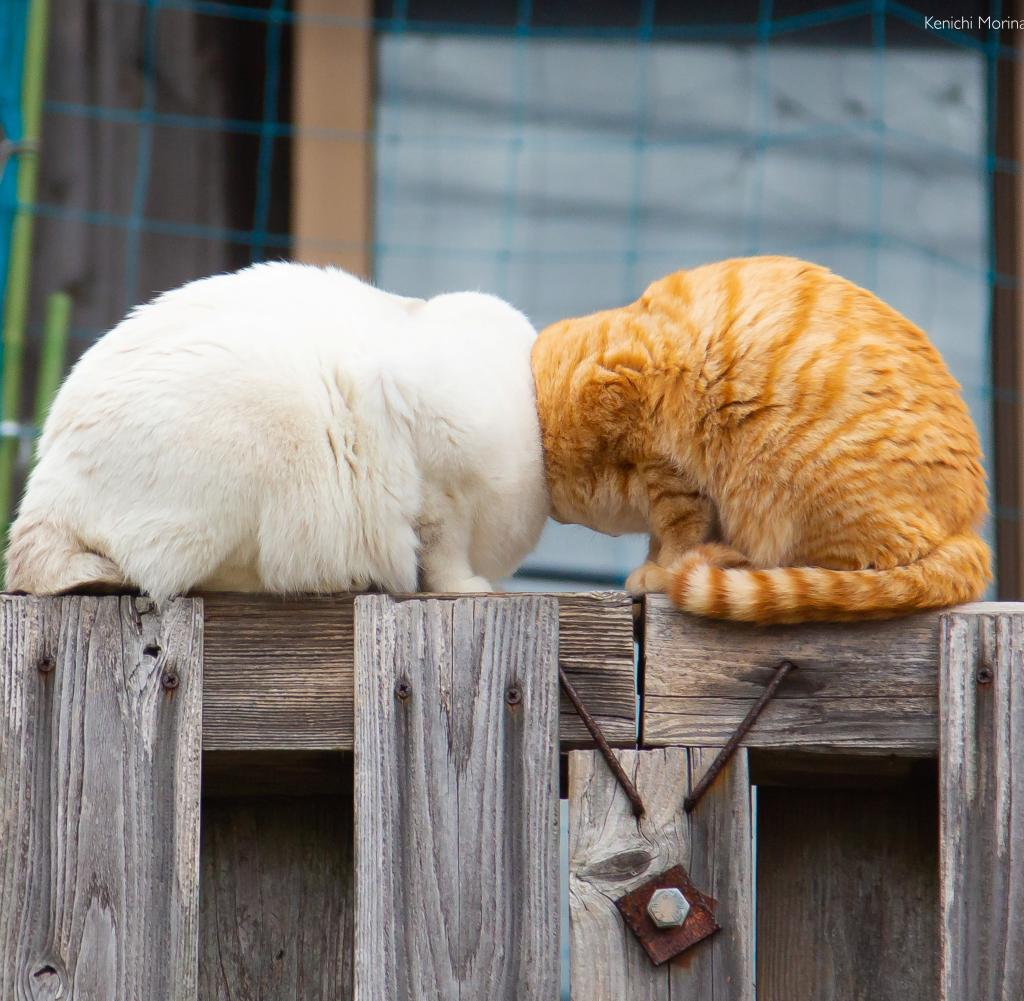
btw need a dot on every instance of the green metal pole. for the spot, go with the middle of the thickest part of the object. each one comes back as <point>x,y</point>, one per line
<point>51,360</point>
<point>19,270</point>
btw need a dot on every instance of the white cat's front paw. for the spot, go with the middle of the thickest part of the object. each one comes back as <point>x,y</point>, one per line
<point>461,585</point>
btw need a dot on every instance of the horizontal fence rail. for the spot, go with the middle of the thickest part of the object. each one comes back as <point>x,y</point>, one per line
<point>280,673</point>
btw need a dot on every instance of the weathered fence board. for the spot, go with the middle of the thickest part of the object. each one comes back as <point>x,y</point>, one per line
<point>279,673</point>
<point>456,799</point>
<point>868,687</point>
<point>865,725</point>
<point>277,899</point>
<point>610,854</point>
<point>100,702</point>
<point>982,823</point>
<point>847,894</point>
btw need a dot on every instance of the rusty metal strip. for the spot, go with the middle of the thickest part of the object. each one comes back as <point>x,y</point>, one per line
<point>741,731</point>
<point>603,746</point>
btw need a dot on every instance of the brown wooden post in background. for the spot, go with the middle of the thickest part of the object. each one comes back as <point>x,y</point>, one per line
<point>332,149</point>
<point>1008,319</point>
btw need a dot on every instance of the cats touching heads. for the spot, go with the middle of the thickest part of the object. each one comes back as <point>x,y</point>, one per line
<point>289,428</point>
<point>795,448</point>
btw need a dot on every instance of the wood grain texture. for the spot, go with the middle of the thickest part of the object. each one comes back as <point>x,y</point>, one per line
<point>982,822</point>
<point>456,799</point>
<point>277,899</point>
<point>847,895</point>
<point>610,854</point>
<point>279,673</point>
<point>99,798</point>
<point>869,686</point>
<point>870,725</point>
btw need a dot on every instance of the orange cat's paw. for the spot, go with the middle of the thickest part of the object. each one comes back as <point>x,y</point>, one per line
<point>647,579</point>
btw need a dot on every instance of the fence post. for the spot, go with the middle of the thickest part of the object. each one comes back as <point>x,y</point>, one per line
<point>610,853</point>
<point>456,799</point>
<point>100,731</point>
<point>982,815</point>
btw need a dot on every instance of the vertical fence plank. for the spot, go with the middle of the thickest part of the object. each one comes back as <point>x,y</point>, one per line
<point>456,799</point>
<point>100,730</point>
<point>610,854</point>
<point>982,818</point>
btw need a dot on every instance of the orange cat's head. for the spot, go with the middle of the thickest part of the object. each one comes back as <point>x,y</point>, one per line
<point>589,405</point>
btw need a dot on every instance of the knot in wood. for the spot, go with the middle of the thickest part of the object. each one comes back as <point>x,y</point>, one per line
<point>48,981</point>
<point>618,867</point>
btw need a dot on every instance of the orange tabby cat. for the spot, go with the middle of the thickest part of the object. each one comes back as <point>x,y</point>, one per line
<point>796,448</point>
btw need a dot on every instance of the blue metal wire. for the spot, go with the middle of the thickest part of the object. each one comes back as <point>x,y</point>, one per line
<point>265,156</point>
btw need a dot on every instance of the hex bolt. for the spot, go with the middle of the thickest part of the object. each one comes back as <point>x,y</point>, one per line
<point>668,908</point>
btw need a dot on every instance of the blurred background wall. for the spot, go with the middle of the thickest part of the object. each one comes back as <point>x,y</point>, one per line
<point>561,154</point>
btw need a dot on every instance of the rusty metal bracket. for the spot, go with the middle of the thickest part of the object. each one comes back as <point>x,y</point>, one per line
<point>741,731</point>
<point>603,746</point>
<point>664,943</point>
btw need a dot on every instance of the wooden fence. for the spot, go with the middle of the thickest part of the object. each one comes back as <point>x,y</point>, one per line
<point>237,797</point>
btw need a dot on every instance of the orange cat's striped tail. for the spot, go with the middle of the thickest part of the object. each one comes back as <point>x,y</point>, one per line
<point>957,571</point>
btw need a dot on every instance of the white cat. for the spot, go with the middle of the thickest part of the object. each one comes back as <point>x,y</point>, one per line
<point>289,428</point>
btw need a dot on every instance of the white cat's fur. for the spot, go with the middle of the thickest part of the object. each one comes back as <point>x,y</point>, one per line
<point>289,428</point>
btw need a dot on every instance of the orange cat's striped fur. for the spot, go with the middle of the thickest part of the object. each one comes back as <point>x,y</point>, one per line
<point>796,448</point>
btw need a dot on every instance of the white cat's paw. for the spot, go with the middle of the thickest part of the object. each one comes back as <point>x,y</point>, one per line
<point>462,585</point>
<point>650,578</point>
